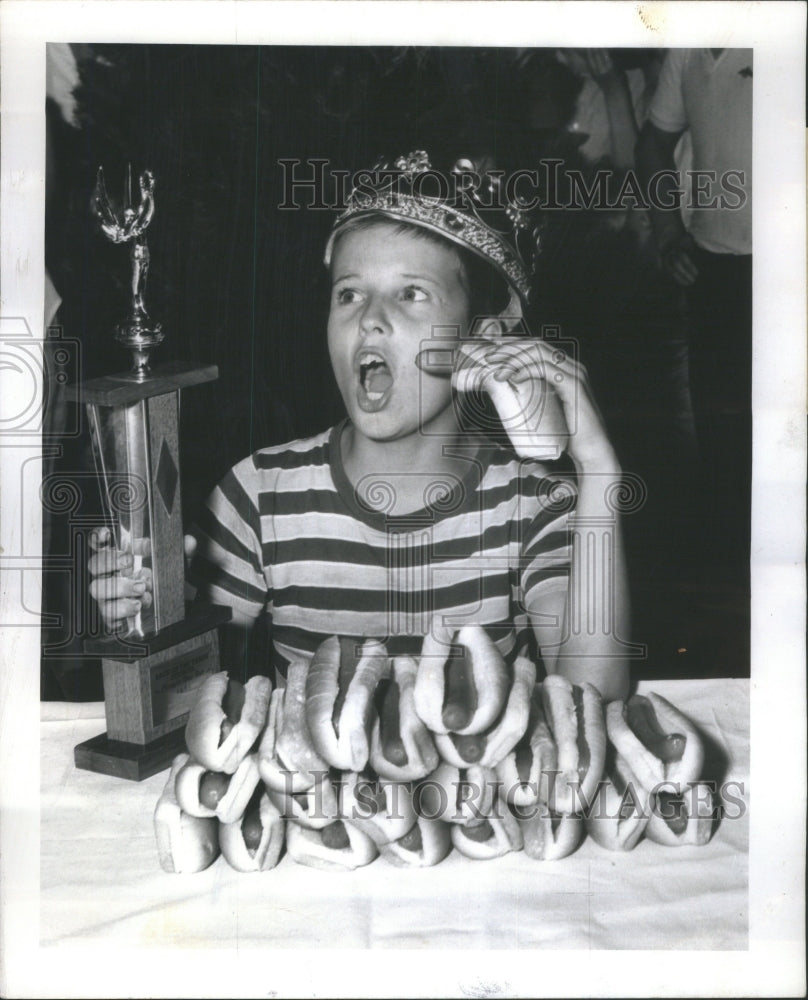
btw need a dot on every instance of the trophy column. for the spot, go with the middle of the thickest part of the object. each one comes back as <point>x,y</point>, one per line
<point>152,669</point>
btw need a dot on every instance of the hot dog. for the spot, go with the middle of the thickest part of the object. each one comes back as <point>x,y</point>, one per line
<point>287,759</point>
<point>425,844</point>
<point>253,842</point>
<point>656,741</point>
<point>490,747</point>
<point>681,819</point>
<point>226,721</point>
<point>456,795</point>
<point>462,682</point>
<point>527,771</point>
<point>575,716</point>
<point>381,809</point>
<point>213,793</point>
<point>401,747</point>
<point>491,837</point>
<point>337,847</point>
<point>618,819</point>
<point>315,808</point>
<point>184,843</point>
<point>549,836</point>
<point>339,699</point>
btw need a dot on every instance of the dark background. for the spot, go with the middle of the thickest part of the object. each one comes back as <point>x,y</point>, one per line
<point>237,282</point>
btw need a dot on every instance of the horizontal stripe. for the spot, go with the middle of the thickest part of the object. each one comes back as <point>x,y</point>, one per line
<point>232,488</point>
<point>295,455</point>
<point>381,622</point>
<point>313,490</point>
<point>280,534</point>
<point>215,531</point>
<point>206,573</point>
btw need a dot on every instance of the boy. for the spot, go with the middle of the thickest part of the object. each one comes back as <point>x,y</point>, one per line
<point>399,519</point>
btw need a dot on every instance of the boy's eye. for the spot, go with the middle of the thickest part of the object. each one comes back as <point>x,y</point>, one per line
<point>346,296</point>
<point>413,293</point>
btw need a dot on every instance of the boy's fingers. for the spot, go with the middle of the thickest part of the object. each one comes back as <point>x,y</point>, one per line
<point>507,373</point>
<point>142,547</point>
<point>116,612</point>
<point>112,588</point>
<point>109,561</point>
<point>437,360</point>
<point>472,379</point>
<point>190,544</point>
<point>100,538</point>
<point>443,357</point>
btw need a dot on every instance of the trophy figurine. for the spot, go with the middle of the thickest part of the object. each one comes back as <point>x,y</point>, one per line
<point>152,668</point>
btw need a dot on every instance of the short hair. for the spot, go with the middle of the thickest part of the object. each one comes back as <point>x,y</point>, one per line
<point>488,292</point>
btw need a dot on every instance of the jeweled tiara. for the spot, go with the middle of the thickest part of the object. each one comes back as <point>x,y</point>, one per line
<point>400,192</point>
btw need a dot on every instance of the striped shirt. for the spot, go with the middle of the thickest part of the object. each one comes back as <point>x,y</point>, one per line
<point>286,531</point>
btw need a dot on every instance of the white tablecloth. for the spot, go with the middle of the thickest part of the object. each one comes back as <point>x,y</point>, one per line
<point>101,882</point>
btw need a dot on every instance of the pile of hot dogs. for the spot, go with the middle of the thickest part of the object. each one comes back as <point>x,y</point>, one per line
<point>362,755</point>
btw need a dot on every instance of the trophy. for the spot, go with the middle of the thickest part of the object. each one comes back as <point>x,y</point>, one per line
<point>153,667</point>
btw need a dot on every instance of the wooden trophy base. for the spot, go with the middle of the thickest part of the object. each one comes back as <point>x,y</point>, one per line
<point>128,760</point>
<point>150,685</point>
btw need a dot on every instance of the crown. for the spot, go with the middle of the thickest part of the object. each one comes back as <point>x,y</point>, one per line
<point>451,205</point>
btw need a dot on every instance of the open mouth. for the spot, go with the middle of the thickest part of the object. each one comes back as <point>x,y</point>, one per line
<point>375,376</point>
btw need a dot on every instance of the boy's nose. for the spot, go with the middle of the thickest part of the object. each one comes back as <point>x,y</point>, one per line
<point>374,317</point>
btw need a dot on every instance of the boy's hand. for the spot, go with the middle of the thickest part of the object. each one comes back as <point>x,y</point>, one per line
<point>527,379</point>
<point>120,591</point>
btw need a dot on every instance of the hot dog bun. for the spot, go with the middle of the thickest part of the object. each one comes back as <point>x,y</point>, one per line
<point>682,820</point>
<point>472,654</point>
<point>204,729</point>
<point>617,823</point>
<point>314,808</point>
<point>187,789</point>
<point>306,847</point>
<point>411,739</point>
<point>503,836</point>
<point>345,745</point>
<point>287,760</point>
<point>527,771</point>
<point>549,837</point>
<point>456,795</point>
<point>232,804</point>
<point>657,742</point>
<point>490,747</point>
<point>381,809</point>
<point>575,716</point>
<point>426,844</point>
<point>184,843</point>
<point>267,853</point>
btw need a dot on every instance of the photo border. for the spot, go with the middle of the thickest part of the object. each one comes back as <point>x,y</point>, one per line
<point>775,961</point>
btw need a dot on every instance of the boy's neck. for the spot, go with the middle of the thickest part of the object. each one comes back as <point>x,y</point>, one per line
<point>406,461</point>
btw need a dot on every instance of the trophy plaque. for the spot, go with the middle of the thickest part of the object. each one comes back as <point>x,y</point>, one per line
<point>153,667</point>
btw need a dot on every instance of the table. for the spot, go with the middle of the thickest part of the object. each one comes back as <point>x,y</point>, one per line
<point>101,882</point>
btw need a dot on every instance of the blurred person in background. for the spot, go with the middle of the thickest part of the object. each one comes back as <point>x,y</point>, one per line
<point>709,92</point>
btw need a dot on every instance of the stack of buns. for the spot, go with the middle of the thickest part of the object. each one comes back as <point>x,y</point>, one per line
<point>363,755</point>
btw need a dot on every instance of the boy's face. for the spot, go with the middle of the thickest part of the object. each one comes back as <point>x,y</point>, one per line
<point>390,290</point>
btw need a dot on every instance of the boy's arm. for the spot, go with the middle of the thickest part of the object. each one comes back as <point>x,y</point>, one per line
<point>595,611</point>
<point>592,612</point>
<point>228,564</point>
